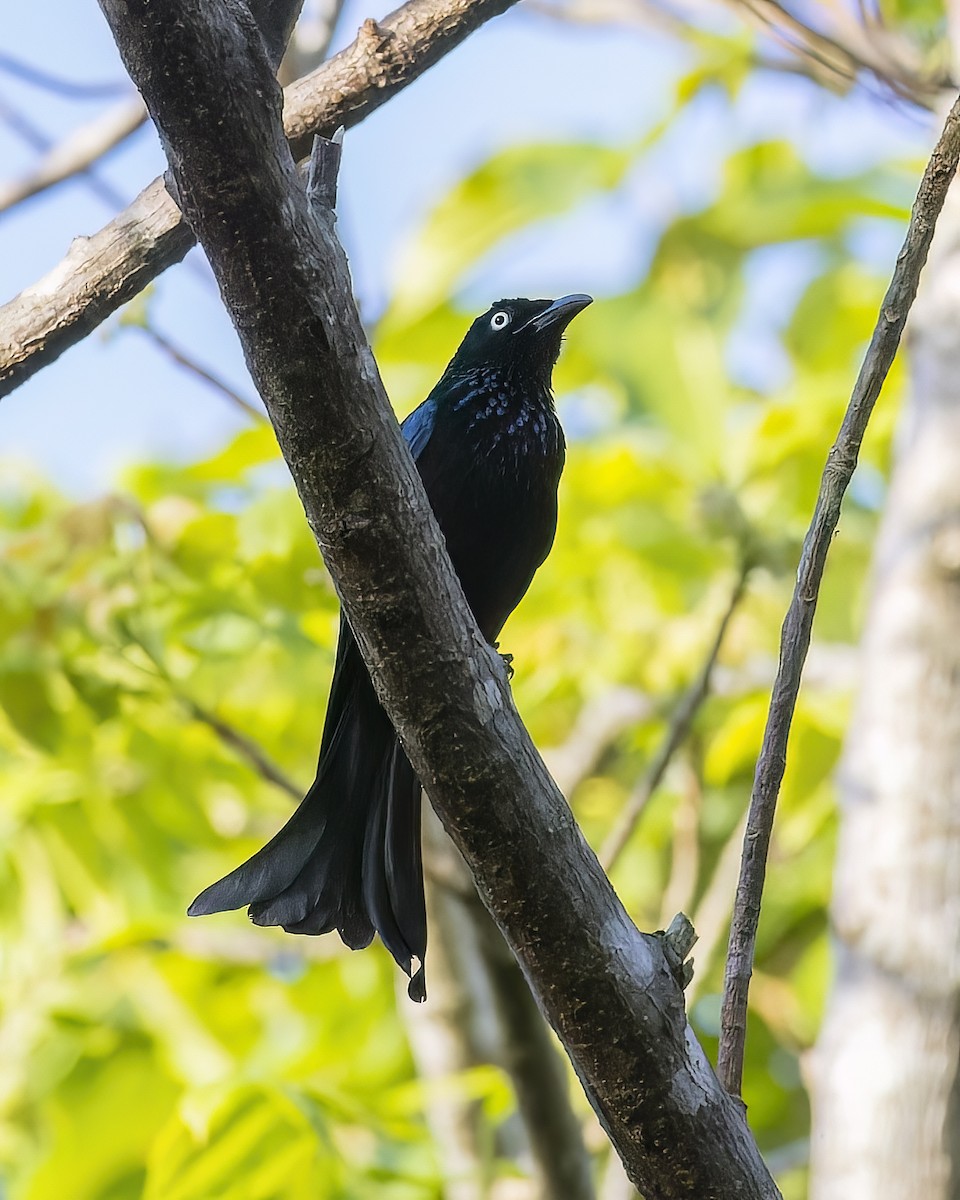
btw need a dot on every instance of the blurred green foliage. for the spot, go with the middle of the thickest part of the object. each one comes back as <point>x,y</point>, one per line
<point>145,1055</point>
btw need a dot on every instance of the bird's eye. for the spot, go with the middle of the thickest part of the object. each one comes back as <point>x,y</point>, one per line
<point>500,320</point>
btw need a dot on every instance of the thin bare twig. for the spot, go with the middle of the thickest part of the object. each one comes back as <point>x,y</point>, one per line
<point>599,725</point>
<point>795,636</point>
<point>77,153</point>
<point>680,890</point>
<point>456,1029</point>
<point>35,137</point>
<point>182,359</point>
<point>481,1011</point>
<point>846,52</point>
<point>539,1075</point>
<point>104,271</point>
<point>679,727</point>
<point>28,73</point>
<point>244,746</point>
<point>712,915</point>
<point>849,49</point>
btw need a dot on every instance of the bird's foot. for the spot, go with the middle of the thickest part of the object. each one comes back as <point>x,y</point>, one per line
<point>507,660</point>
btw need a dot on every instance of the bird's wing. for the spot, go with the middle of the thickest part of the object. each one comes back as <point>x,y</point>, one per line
<point>418,427</point>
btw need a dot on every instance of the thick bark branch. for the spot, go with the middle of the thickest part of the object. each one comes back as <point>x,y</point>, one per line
<point>798,623</point>
<point>606,988</point>
<point>102,272</point>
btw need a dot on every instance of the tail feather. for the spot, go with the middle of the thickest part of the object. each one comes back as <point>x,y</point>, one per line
<point>392,869</point>
<point>274,869</point>
<point>349,857</point>
<point>404,864</point>
<point>269,870</point>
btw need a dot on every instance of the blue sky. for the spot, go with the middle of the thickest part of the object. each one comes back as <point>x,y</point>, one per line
<point>523,77</point>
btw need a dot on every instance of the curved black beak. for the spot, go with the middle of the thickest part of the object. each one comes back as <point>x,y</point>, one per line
<point>560,313</point>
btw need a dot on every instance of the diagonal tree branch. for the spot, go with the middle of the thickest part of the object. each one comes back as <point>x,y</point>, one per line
<point>102,272</point>
<point>182,359</point>
<point>71,89</point>
<point>275,19</point>
<point>798,623</point>
<point>606,988</point>
<point>244,746</point>
<point>680,725</point>
<point>23,126</point>
<point>77,153</point>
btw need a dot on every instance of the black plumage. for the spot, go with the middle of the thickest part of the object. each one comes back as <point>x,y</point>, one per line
<point>490,451</point>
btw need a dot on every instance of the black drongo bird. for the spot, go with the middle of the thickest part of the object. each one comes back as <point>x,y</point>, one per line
<point>490,450</point>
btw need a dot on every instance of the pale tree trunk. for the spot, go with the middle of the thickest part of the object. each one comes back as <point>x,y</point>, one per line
<point>886,1069</point>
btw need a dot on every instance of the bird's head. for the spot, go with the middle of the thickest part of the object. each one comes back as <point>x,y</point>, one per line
<point>519,336</point>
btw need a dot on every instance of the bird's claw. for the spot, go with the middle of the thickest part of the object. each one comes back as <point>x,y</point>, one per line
<point>507,660</point>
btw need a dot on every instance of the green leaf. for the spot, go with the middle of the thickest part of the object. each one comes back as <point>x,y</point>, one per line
<point>512,189</point>
<point>25,698</point>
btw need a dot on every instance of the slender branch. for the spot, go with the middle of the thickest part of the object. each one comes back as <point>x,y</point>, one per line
<point>712,915</point>
<point>606,717</point>
<point>608,990</point>
<point>310,42</point>
<point>795,635</point>
<point>77,153</point>
<point>677,731</point>
<point>599,725</point>
<point>480,980</point>
<point>36,77</point>
<point>849,49</point>
<point>102,272</point>
<point>840,58</point>
<point>182,359</point>
<point>481,1011</point>
<point>456,1029</point>
<point>25,129</point>
<point>681,886</point>
<point>244,746</point>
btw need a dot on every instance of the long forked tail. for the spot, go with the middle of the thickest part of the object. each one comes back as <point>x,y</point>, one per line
<point>349,858</point>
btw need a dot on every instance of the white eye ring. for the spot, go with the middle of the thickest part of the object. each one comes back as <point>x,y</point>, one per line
<point>500,320</point>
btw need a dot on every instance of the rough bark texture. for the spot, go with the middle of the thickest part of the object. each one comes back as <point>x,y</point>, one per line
<point>102,272</point>
<point>886,1071</point>
<point>606,988</point>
